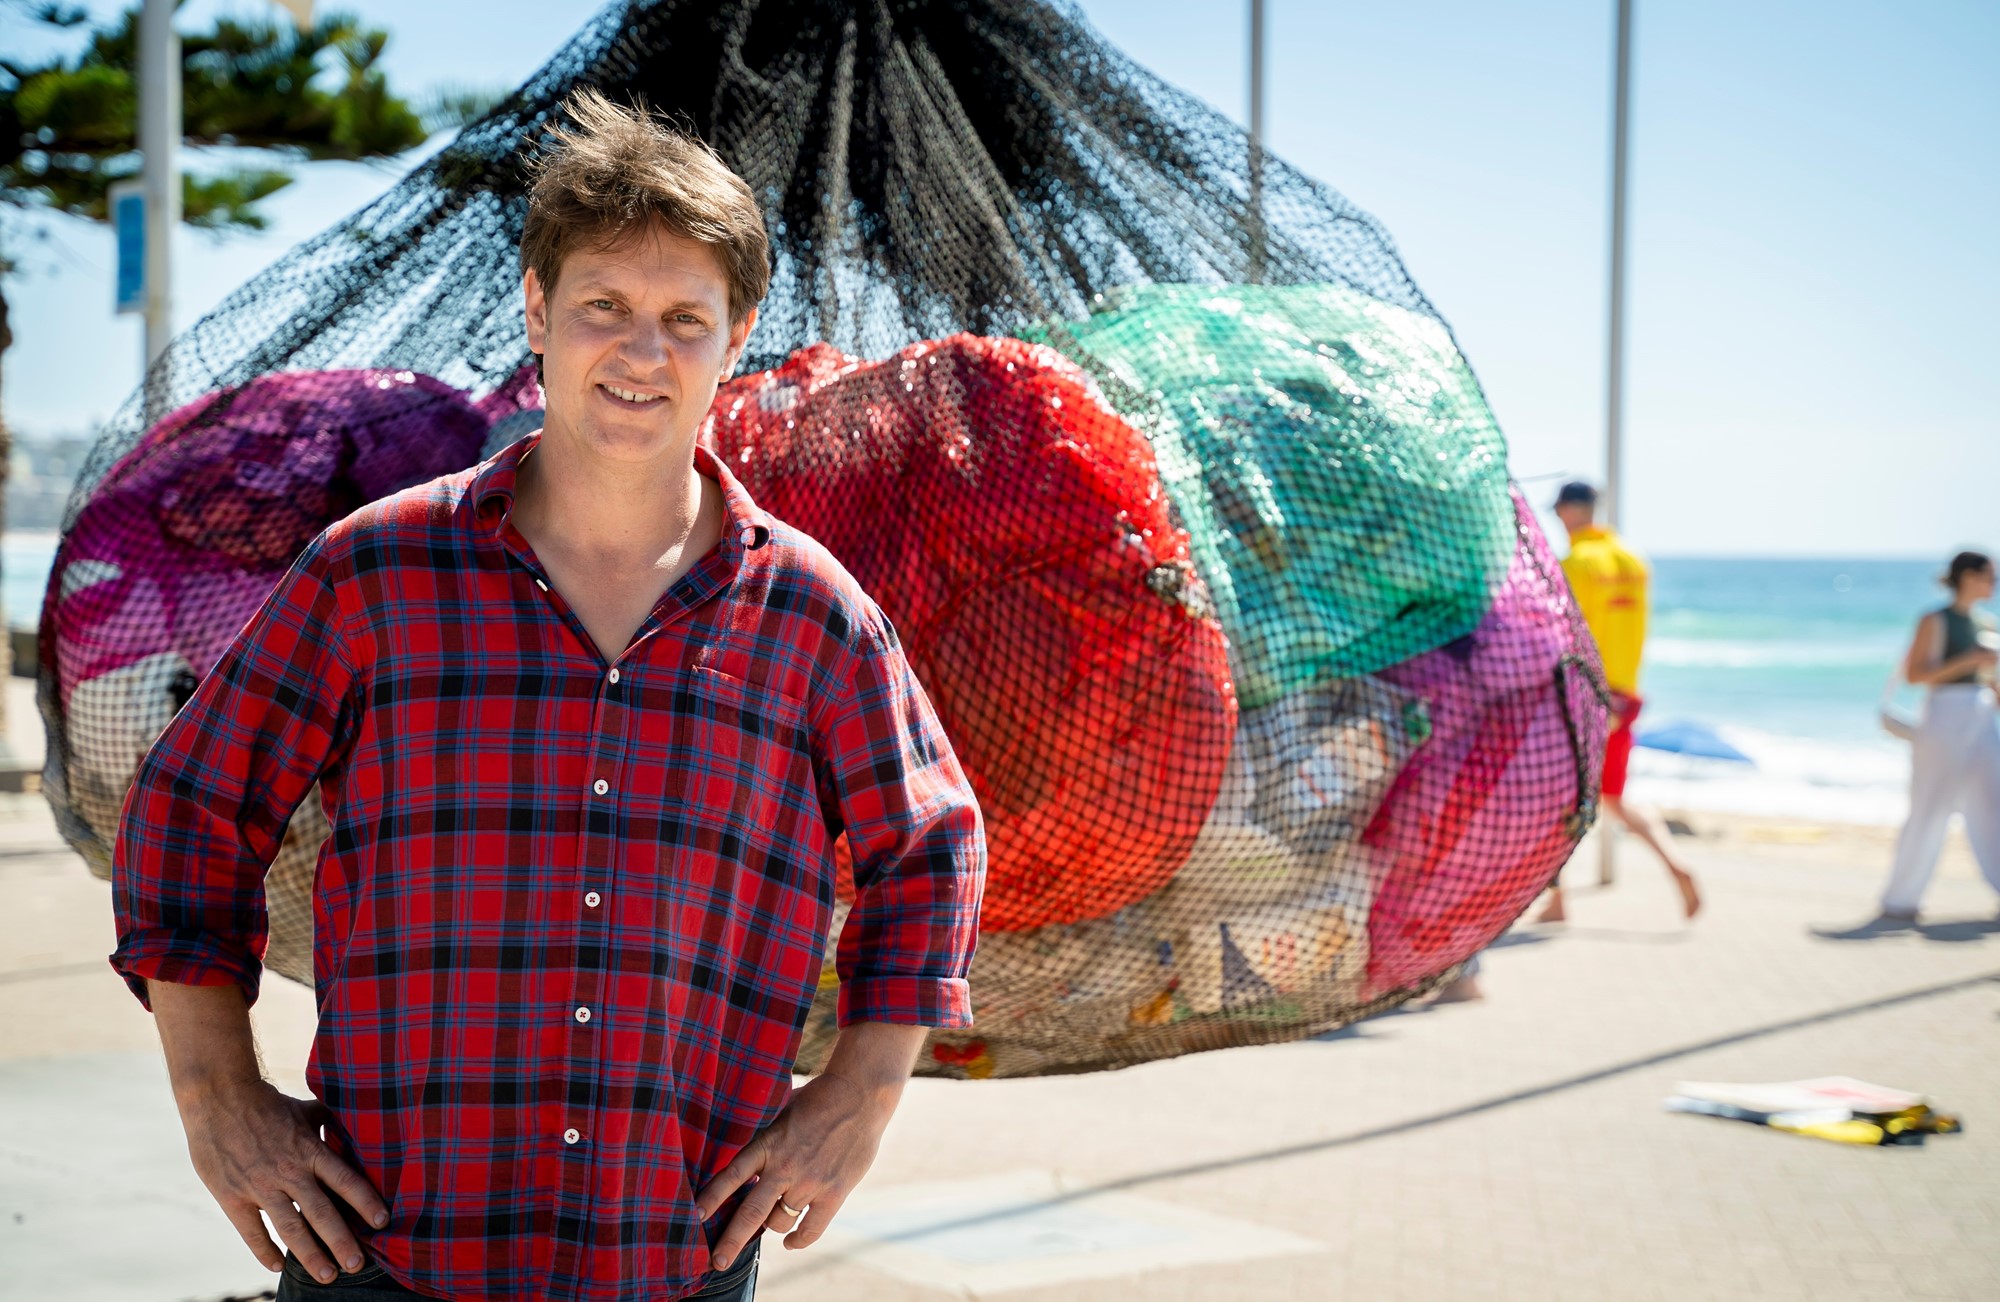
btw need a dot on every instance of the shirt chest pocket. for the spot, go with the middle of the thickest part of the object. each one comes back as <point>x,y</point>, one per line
<point>739,758</point>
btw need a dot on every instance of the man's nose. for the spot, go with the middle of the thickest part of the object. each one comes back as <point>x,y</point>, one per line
<point>646,343</point>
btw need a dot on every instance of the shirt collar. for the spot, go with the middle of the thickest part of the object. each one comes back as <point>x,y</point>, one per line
<point>745,525</point>
<point>1592,532</point>
<point>743,521</point>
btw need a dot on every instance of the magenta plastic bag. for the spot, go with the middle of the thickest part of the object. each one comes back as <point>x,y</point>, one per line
<point>1513,759</point>
<point>185,536</point>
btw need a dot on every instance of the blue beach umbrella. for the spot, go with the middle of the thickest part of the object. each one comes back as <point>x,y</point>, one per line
<point>1695,739</point>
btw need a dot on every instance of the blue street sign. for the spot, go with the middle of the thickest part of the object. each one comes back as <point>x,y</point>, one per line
<point>128,219</point>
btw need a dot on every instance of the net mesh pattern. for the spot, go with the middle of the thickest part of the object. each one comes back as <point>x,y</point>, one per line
<point>1191,515</point>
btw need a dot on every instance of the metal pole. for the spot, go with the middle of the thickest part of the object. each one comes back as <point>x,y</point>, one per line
<point>159,143</point>
<point>1256,223</point>
<point>1613,497</point>
<point>1614,388</point>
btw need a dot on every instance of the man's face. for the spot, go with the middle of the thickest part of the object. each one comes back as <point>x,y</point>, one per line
<point>634,340</point>
<point>1574,515</point>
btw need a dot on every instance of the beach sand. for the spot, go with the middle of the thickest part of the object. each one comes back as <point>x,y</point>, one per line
<point>1793,841</point>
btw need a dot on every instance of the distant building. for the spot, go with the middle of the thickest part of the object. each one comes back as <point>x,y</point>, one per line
<point>39,477</point>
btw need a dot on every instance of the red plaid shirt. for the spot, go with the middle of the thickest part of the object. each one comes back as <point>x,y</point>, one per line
<point>572,913</point>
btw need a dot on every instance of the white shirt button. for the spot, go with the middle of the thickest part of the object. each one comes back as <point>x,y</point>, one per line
<point>583,1014</point>
<point>571,1135</point>
<point>748,537</point>
<point>613,676</point>
<point>600,786</point>
<point>592,899</point>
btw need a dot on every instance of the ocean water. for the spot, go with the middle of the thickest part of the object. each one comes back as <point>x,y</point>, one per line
<point>1786,659</point>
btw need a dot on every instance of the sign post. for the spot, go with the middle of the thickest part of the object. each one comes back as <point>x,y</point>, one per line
<point>127,201</point>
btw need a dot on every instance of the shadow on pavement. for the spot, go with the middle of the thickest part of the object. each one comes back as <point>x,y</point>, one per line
<point>1950,933</point>
<point>1499,1101</point>
<point>1493,1104</point>
<point>1873,929</point>
<point>1368,1027</point>
<point>1957,933</point>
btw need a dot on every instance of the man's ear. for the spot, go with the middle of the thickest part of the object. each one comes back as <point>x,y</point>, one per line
<point>537,305</point>
<point>739,336</point>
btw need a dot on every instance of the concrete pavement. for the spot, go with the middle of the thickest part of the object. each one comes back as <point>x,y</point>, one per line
<point>1509,1149</point>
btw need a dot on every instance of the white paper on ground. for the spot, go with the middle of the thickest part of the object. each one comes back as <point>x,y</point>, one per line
<point>1821,1092</point>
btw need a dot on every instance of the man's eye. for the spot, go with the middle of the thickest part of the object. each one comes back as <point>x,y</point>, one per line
<point>604,303</point>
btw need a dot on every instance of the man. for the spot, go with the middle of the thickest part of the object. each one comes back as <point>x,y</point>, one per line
<point>587,723</point>
<point>1610,583</point>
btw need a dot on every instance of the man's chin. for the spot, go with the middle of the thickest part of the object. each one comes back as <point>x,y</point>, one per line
<point>632,440</point>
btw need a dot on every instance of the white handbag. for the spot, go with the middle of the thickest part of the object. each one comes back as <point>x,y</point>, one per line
<point>1894,721</point>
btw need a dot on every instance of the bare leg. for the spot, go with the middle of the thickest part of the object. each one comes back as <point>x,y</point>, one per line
<point>1465,989</point>
<point>1553,911</point>
<point>1649,829</point>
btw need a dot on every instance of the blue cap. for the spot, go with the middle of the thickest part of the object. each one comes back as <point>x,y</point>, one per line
<point>1578,492</point>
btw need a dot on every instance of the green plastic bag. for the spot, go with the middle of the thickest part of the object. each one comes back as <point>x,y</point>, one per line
<point>1332,457</point>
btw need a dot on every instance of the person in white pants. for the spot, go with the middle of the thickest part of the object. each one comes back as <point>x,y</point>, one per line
<point>1955,760</point>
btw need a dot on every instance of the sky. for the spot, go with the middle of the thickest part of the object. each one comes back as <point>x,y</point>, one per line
<point>1812,260</point>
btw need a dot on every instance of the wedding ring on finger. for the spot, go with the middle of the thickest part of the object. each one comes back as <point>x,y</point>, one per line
<point>796,1213</point>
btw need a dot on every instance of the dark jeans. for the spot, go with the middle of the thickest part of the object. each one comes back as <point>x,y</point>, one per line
<point>373,1284</point>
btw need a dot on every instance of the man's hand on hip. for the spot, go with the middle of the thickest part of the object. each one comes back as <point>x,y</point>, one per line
<point>807,1162</point>
<point>258,1150</point>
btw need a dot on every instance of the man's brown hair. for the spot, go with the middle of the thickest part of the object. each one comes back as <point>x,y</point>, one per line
<point>613,170</point>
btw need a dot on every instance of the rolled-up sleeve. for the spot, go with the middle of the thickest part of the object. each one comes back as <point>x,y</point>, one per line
<point>918,845</point>
<point>207,811</point>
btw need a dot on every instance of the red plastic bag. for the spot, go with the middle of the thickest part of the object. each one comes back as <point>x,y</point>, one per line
<point>1013,528</point>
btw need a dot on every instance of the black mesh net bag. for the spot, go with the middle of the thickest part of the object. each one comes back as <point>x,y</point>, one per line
<point>1193,519</point>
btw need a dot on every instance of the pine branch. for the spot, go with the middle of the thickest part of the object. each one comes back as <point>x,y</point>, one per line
<point>68,126</point>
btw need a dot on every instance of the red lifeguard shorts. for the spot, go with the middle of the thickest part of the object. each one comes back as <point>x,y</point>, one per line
<point>1618,746</point>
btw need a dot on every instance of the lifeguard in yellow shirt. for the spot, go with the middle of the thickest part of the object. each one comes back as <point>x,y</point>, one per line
<point>1610,582</point>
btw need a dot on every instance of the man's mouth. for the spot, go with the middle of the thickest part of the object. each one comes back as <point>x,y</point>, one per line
<point>631,396</point>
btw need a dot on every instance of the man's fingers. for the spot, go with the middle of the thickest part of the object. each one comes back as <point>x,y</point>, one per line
<point>746,1224</point>
<point>330,1227</point>
<point>813,1224</point>
<point>786,1213</point>
<point>251,1226</point>
<point>730,1178</point>
<point>351,1185</point>
<point>298,1236</point>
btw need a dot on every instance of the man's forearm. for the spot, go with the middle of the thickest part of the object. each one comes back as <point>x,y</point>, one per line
<point>801,1168</point>
<point>258,1151</point>
<point>206,1033</point>
<point>876,1058</point>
